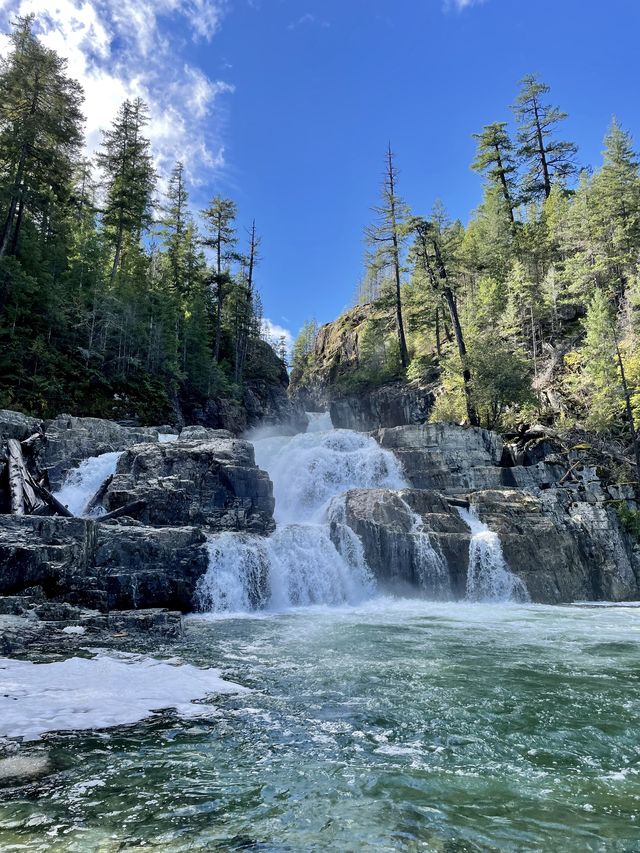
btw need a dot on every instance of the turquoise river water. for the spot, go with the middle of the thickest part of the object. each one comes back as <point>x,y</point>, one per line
<point>391,726</point>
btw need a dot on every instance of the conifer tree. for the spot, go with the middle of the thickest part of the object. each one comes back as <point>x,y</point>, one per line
<point>495,160</point>
<point>548,159</point>
<point>220,218</point>
<point>40,136</point>
<point>125,158</point>
<point>387,238</point>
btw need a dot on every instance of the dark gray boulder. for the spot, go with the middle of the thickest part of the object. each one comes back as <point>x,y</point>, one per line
<point>103,566</point>
<point>18,426</point>
<point>211,482</point>
<point>70,440</point>
<point>411,537</point>
<point>145,567</point>
<point>37,551</point>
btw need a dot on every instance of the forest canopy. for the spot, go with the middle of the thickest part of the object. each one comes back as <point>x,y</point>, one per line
<point>114,300</point>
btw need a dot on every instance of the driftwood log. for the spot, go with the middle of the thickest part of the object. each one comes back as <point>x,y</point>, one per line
<point>24,498</point>
<point>96,500</point>
<point>26,495</point>
<point>129,509</point>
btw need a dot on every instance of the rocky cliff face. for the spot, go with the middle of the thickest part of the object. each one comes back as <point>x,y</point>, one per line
<point>210,481</point>
<point>265,402</point>
<point>329,381</point>
<point>170,495</point>
<point>559,535</point>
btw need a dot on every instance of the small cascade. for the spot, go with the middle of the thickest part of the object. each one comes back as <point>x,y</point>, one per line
<point>489,577</point>
<point>81,483</point>
<point>432,569</point>
<point>297,566</point>
<point>313,557</point>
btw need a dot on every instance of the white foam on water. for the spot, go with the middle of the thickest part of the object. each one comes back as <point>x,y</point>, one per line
<point>489,577</point>
<point>83,482</point>
<point>167,437</point>
<point>79,694</point>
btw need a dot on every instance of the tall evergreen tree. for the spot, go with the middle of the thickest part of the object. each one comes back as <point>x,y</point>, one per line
<point>548,159</point>
<point>495,159</point>
<point>220,219</point>
<point>387,238</point>
<point>125,159</point>
<point>429,254</point>
<point>40,137</point>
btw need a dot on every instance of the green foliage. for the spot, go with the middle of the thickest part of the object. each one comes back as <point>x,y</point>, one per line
<point>629,519</point>
<point>95,317</point>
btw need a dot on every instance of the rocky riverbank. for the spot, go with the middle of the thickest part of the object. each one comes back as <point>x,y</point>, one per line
<point>131,566</point>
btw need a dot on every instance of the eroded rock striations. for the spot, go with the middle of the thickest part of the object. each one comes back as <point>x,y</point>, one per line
<point>211,482</point>
<point>560,535</point>
<point>171,495</point>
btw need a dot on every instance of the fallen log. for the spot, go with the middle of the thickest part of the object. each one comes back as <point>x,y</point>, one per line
<point>569,473</point>
<point>53,502</point>
<point>24,499</point>
<point>96,500</point>
<point>461,502</point>
<point>28,443</point>
<point>128,509</point>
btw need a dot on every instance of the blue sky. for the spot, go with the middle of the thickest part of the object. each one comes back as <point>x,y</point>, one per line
<point>287,105</point>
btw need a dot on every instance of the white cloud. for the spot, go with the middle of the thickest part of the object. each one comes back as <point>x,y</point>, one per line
<point>272,332</point>
<point>121,49</point>
<point>461,5</point>
<point>308,20</point>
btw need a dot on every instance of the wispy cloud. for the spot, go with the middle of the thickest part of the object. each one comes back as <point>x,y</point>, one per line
<point>461,5</point>
<point>308,20</point>
<point>121,49</point>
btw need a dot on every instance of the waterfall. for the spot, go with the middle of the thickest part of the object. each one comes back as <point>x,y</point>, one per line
<point>489,577</point>
<point>81,483</point>
<point>300,563</point>
<point>430,566</point>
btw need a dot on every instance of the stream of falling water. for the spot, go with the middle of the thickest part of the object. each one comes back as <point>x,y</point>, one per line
<point>489,577</point>
<point>301,563</point>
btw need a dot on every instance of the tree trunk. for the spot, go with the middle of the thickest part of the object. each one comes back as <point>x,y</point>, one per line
<point>505,185</point>
<point>457,330</point>
<point>635,443</point>
<point>542,152</point>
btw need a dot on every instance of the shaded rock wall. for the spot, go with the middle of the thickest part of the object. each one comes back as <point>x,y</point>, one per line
<point>106,566</point>
<point>211,482</point>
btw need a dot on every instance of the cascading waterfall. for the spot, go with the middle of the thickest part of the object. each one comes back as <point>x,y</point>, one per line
<point>431,566</point>
<point>81,483</point>
<point>489,577</point>
<point>313,557</point>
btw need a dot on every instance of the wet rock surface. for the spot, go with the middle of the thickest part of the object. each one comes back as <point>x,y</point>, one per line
<point>557,526</point>
<point>210,480</point>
